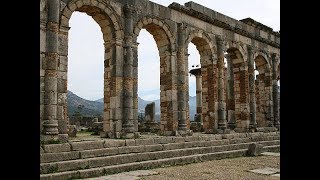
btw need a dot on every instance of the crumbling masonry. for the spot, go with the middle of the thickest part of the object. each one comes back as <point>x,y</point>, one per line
<point>235,99</point>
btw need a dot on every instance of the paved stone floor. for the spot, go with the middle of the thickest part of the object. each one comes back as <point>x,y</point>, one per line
<point>265,167</point>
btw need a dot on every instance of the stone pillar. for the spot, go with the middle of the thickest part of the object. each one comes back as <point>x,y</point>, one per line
<point>222,123</point>
<point>182,99</point>
<point>62,114</point>
<point>199,96</point>
<point>128,122</point>
<point>275,91</point>
<point>252,99</point>
<point>50,123</point>
<point>231,99</point>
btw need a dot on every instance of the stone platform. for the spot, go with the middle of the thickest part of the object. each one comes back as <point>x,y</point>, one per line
<point>97,157</point>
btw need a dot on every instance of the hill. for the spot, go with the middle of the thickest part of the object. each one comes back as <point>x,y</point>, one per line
<point>95,108</point>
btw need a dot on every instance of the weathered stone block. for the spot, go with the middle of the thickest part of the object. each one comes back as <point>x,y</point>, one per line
<point>130,142</point>
<point>155,147</point>
<point>178,139</point>
<point>173,146</point>
<point>114,143</point>
<point>54,157</point>
<point>191,138</point>
<point>255,149</point>
<point>79,146</point>
<point>144,141</point>
<point>163,140</point>
<point>99,152</point>
<point>218,136</point>
<point>55,148</point>
<point>72,130</point>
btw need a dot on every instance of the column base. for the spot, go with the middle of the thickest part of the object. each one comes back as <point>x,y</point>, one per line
<point>48,138</point>
<point>252,129</point>
<point>232,125</point>
<point>177,133</point>
<point>111,135</point>
<point>224,131</point>
<point>134,135</point>
<point>184,133</point>
<point>63,138</point>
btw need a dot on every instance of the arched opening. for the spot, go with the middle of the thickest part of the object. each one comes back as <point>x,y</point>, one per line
<point>237,105</point>
<point>104,17</point>
<point>148,79</point>
<point>85,71</point>
<point>262,91</point>
<point>205,86</point>
<point>163,39</point>
<point>195,87</point>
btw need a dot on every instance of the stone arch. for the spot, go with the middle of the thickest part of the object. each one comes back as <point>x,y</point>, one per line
<point>207,50</point>
<point>100,11</point>
<point>165,42</point>
<point>112,30</point>
<point>204,45</point>
<point>159,30</point>
<point>239,47</point>
<point>237,91</point>
<point>263,91</point>
<point>262,62</point>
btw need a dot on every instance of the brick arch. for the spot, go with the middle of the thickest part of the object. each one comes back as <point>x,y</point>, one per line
<point>112,31</point>
<point>239,47</point>
<point>165,43</point>
<point>263,91</point>
<point>207,51</point>
<point>262,62</point>
<point>238,96</point>
<point>100,11</point>
<point>159,30</point>
<point>204,45</point>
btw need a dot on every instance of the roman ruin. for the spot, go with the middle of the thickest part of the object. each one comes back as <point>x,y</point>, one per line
<point>235,100</point>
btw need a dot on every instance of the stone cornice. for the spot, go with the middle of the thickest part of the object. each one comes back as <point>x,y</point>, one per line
<point>216,22</point>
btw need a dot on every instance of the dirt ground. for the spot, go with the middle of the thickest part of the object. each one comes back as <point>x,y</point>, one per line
<point>229,169</point>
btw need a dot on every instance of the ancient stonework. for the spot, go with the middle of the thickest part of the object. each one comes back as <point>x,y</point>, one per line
<point>228,98</point>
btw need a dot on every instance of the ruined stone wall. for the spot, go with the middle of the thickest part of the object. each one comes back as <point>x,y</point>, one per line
<point>173,28</point>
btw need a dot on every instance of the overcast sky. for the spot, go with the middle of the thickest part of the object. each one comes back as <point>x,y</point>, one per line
<point>86,51</point>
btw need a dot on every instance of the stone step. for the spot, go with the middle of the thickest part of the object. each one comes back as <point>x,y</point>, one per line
<point>109,143</point>
<point>72,155</point>
<point>137,157</point>
<point>101,171</point>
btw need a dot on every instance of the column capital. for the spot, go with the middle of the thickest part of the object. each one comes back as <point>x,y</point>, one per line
<point>219,39</point>
<point>117,42</point>
<point>182,26</point>
<point>128,11</point>
<point>250,48</point>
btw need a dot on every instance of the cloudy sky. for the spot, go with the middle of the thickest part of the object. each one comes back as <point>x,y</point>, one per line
<point>86,51</point>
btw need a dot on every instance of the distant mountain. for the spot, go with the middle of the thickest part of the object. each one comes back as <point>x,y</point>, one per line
<point>95,108</point>
<point>89,108</point>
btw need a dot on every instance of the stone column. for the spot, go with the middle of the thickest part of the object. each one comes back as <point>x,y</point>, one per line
<point>252,99</point>
<point>50,123</point>
<point>182,99</point>
<point>62,114</point>
<point>128,124</point>
<point>222,123</point>
<point>199,96</point>
<point>275,91</point>
<point>231,99</point>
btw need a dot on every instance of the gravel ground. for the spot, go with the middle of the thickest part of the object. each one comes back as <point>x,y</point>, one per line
<point>235,168</point>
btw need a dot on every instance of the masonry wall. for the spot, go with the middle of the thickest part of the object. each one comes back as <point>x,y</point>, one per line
<point>173,28</point>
